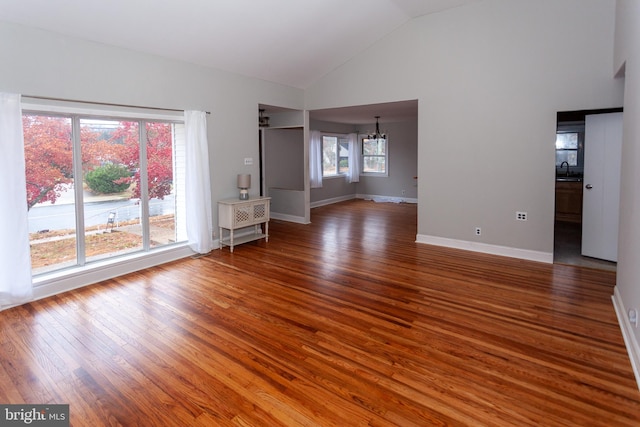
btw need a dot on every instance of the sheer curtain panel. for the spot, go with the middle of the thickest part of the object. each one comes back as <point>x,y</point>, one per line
<point>315,159</point>
<point>198,183</point>
<point>354,159</point>
<point>15,259</point>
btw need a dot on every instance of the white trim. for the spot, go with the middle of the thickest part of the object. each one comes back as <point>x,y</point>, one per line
<point>633,348</point>
<point>289,218</point>
<point>65,280</point>
<point>339,175</point>
<point>385,174</point>
<point>373,197</point>
<point>92,110</point>
<point>333,200</point>
<point>389,199</point>
<point>546,257</point>
<point>340,137</point>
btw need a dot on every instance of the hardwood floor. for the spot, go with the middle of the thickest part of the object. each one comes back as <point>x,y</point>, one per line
<point>343,322</point>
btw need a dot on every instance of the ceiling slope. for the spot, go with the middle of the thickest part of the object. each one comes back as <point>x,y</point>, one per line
<point>290,42</point>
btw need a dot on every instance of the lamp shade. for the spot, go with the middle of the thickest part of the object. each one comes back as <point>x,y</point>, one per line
<point>244,180</point>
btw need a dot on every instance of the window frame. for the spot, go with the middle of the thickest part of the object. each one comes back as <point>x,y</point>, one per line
<point>567,150</point>
<point>364,137</point>
<point>340,140</point>
<point>571,128</point>
<point>81,265</point>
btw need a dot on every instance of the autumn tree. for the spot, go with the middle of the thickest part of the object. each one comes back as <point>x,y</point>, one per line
<point>98,149</point>
<point>159,159</point>
<point>48,157</point>
<point>159,156</point>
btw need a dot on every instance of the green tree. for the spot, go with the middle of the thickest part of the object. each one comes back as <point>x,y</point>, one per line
<point>108,179</point>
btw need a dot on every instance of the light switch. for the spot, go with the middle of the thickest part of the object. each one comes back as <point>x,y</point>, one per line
<point>248,161</point>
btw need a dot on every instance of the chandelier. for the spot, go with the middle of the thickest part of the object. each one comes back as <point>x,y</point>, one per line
<point>377,135</point>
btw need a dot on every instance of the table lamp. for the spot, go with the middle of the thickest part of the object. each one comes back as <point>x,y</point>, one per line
<point>244,183</point>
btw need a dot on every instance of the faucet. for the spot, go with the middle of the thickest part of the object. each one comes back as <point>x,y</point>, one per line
<point>562,165</point>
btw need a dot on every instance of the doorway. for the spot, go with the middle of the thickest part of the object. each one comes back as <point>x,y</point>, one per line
<point>281,142</point>
<point>569,190</point>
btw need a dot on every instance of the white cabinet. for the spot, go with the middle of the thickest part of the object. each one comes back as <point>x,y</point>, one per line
<point>234,214</point>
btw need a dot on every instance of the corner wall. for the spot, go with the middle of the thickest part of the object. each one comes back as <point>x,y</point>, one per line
<point>627,61</point>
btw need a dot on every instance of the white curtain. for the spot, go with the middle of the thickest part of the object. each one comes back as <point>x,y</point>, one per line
<point>15,259</point>
<point>315,159</point>
<point>198,183</point>
<point>354,159</point>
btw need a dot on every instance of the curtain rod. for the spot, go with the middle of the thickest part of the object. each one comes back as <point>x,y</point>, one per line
<point>46,98</point>
<point>336,133</point>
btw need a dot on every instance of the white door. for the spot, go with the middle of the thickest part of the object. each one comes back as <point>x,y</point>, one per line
<point>601,192</point>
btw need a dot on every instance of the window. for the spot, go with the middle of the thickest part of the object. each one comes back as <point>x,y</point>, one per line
<point>374,156</point>
<point>335,155</point>
<point>100,187</point>
<point>567,148</point>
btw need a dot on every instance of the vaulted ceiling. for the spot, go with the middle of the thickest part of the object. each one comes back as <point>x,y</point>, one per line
<point>291,42</point>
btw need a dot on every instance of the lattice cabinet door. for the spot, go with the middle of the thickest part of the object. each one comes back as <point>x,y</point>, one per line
<point>242,216</point>
<point>260,211</point>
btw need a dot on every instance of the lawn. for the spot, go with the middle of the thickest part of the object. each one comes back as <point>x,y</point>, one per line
<point>59,246</point>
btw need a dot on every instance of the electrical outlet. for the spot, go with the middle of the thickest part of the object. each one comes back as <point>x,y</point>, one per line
<point>404,192</point>
<point>478,231</point>
<point>521,216</point>
<point>633,317</point>
<point>248,161</point>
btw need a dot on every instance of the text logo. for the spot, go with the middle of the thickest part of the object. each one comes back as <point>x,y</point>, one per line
<point>34,415</point>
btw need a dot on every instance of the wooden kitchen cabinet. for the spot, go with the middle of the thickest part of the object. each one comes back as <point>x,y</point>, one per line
<point>569,201</point>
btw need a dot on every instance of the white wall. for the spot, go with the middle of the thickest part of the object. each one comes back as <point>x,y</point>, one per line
<point>490,78</point>
<point>627,59</point>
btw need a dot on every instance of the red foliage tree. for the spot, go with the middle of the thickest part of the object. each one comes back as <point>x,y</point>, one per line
<point>159,159</point>
<point>48,157</point>
<point>159,156</point>
<point>98,150</point>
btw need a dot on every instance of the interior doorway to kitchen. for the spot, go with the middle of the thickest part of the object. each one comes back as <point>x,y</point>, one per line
<point>569,190</point>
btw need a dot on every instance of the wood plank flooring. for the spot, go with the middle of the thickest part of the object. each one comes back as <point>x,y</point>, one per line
<point>343,322</point>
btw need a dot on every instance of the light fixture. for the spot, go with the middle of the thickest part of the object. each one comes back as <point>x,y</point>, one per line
<point>263,121</point>
<point>377,135</point>
<point>244,183</point>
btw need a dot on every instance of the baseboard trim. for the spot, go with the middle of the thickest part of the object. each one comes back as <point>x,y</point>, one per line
<point>633,348</point>
<point>56,283</point>
<point>386,199</point>
<point>546,257</point>
<point>332,200</point>
<point>373,197</point>
<point>289,218</point>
